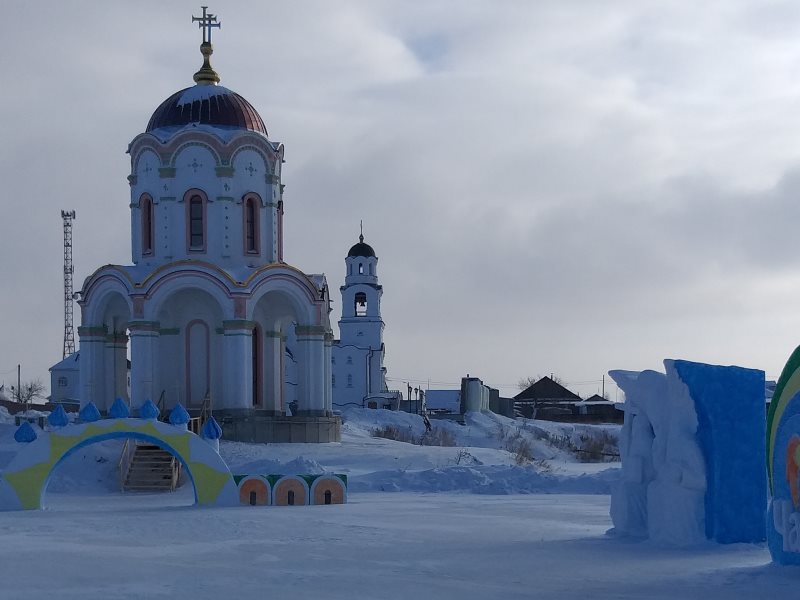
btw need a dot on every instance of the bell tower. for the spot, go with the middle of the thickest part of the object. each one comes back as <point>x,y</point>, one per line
<point>361,324</point>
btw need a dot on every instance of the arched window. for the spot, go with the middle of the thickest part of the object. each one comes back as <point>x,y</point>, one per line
<point>146,209</point>
<point>333,380</point>
<point>197,223</point>
<point>328,497</point>
<point>360,268</point>
<point>361,304</point>
<point>251,222</point>
<point>349,381</point>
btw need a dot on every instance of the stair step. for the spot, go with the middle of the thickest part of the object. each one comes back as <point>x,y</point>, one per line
<point>151,469</point>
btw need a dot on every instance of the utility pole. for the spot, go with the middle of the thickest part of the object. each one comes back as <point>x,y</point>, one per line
<point>69,332</point>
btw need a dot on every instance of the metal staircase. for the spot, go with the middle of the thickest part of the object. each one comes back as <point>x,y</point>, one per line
<point>146,467</point>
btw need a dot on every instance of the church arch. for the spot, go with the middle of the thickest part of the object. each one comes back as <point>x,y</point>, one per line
<point>166,286</point>
<point>298,295</point>
<point>25,479</point>
<point>197,356</point>
<point>201,148</point>
<point>191,319</point>
<point>245,152</point>
<point>145,151</point>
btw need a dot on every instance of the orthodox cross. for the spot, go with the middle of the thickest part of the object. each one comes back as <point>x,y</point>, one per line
<point>361,225</point>
<point>206,23</point>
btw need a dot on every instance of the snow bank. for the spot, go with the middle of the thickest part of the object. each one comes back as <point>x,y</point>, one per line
<point>692,451</point>
<point>487,479</point>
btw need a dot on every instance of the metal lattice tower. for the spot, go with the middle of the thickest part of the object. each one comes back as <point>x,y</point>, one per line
<point>69,333</point>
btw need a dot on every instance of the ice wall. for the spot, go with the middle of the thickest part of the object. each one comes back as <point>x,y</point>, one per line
<point>692,454</point>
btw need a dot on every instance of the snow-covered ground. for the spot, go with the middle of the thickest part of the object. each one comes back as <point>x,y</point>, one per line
<point>452,527</point>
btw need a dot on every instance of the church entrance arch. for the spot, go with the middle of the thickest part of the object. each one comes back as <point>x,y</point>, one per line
<point>25,480</point>
<point>190,347</point>
<point>276,317</point>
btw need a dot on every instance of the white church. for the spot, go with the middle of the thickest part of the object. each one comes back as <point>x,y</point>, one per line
<point>209,313</point>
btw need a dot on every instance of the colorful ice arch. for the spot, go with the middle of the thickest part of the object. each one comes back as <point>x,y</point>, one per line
<point>783,465</point>
<point>25,480</point>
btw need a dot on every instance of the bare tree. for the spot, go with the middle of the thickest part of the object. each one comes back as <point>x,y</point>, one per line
<point>526,382</point>
<point>28,391</point>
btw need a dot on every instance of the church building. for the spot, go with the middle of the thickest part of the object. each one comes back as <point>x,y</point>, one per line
<point>209,312</point>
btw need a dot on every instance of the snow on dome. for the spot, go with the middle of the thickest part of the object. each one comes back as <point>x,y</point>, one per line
<point>209,105</point>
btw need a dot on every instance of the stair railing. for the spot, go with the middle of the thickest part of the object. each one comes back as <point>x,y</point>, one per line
<point>125,460</point>
<point>161,404</point>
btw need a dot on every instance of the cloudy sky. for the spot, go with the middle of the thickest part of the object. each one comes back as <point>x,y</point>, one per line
<point>563,186</point>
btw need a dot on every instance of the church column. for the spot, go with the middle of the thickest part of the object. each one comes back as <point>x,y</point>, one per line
<point>92,367</point>
<point>237,367</point>
<point>144,346</point>
<point>328,372</point>
<point>273,372</point>
<point>311,378</point>
<point>116,364</point>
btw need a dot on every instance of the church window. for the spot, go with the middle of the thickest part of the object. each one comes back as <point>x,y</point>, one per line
<point>370,269</point>
<point>197,230</point>
<point>62,382</point>
<point>333,360</point>
<point>349,360</point>
<point>146,209</point>
<point>360,268</point>
<point>333,380</point>
<point>349,381</point>
<point>290,498</point>
<point>361,304</point>
<point>251,226</point>
<point>328,497</point>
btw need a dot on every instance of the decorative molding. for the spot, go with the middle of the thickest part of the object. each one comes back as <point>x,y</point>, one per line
<point>226,199</point>
<point>93,330</point>
<point>117,339</point>
<point>225,171</point>
<point>237,324</point>
<point>169,331</point>
<point>271,178</point>
<point>311,330</point>
<point>132,179</point>
<point>144,326</point>
<point>273,334</point>
<point>166,172</point>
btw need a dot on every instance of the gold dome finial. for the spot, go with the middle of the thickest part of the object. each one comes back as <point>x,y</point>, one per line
<point>206,75</point>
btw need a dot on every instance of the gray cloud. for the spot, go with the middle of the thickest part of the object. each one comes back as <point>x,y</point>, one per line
<point>563,187</point>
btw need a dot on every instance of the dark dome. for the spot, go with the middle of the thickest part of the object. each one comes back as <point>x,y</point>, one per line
<point>361,249</point>
<point>209,105</point>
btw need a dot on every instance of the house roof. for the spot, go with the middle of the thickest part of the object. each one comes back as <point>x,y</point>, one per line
<point>547,389</point>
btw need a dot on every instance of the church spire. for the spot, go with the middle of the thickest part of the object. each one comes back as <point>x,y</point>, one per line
<point>206,75</point>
